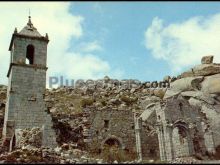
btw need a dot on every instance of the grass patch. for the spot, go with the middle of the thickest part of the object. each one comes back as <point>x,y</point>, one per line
<point>128,100</point>
<point>86,102</point>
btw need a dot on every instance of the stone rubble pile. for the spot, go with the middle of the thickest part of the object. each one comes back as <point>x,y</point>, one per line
<point>186,160</point>
<point>29,136</point>
<point>59,155</point>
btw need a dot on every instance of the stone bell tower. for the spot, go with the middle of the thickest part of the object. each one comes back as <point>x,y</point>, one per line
<point>25,107</point>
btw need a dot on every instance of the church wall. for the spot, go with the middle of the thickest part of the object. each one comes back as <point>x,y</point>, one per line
<point>121,126</point>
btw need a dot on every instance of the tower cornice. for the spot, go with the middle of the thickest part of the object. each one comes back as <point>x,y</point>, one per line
<point>26,36</point>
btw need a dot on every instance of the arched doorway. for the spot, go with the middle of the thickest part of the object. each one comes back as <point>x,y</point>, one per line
<point>112,141</point>
<point>113,149</point>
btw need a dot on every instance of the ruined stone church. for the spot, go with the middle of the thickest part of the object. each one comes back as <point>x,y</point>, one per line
<point>180,124</point>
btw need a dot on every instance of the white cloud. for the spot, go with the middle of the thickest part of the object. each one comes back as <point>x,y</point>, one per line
<point>90,69</point>
<point>55,19</point>
<point>183,44</point>
<point>89,47</point>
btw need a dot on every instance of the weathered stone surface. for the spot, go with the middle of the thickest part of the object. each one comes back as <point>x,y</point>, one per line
<point>199,95</point>
<point>184,84</point>
<point>195,102</point>
<point>148,100</point>
<point>202,70</point>
<point>149,110</point>
<point>207,60</point>
<point>211,84</point>
<point>213,118</point>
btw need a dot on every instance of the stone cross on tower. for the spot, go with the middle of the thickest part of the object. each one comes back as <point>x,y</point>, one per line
<point>25,107</point>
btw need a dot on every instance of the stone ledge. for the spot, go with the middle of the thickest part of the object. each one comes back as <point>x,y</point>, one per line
<point>25,65</point>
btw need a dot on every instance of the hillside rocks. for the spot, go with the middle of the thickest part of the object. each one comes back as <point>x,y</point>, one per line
<point>188,160</point>
<point>29,149</point>
<point>66,106</point>
<point>28,136</point>
<point>47,156</point>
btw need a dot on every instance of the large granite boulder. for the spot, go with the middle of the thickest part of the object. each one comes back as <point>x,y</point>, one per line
<point>200,96</point>
<point>207,60</point>
<point>195,102</point>
<point>211,84</point>
<point>205,69</point>
<point>184,84</point>
<point>202,70</point>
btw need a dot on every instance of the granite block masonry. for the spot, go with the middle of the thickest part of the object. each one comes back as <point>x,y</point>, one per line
<point>25,107</point>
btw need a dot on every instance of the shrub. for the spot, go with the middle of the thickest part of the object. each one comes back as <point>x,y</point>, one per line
<point>112,153</point>
<point>103,102</point>
<point>86,102</point>
<point>128,100</point>
<point>159,93</point>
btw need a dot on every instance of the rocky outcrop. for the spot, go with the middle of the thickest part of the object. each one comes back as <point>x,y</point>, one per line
<point>183,84</point>
<point>207,68</point>
<point>202,70</point>
<point>201,88</point>
<point>211,84</point>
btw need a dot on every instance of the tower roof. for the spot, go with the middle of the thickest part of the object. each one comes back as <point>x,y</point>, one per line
<point>30,30</point>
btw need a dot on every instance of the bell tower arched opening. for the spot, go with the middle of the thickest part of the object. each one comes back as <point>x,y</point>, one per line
<point>30,55</point>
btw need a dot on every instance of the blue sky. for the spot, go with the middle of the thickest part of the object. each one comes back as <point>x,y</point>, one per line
<point>138,40</point>
<point>126,22</point>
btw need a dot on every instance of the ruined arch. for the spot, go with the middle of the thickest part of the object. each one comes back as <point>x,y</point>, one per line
<point>30,54</point>
<point>112,140</point>
<point>181,123</point>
